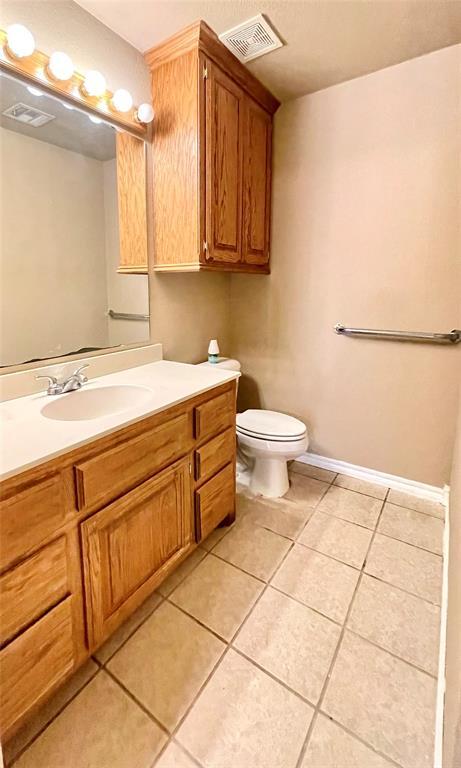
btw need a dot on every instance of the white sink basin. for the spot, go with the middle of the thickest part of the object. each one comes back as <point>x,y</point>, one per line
<point>95,403</point>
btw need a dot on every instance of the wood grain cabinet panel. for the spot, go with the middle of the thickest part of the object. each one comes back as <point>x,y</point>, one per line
<point>215,501</point>
<point>212,154</point>
<point>41,508</point>
<point>214,415</point>
<point>132,202</point>
<point>214,455</point>
<point>114,471</point>
<point>224,133</point>
<point>257,145</point>
<point>88,536</point>
<point>35,663</point>
<point>34,586</point>
<point>129,545</point>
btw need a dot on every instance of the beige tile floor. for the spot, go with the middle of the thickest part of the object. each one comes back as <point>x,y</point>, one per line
<point>306,636</point>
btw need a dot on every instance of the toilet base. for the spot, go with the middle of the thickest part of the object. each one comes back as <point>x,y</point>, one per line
<point>269,478</point>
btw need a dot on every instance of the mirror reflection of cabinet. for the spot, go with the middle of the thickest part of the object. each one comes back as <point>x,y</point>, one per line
<point>131,192</point>
<point>73,240</point>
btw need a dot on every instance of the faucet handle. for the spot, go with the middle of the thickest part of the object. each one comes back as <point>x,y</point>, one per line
<point>79,374</point>
<point>52,379</point>
<point>53,386</point>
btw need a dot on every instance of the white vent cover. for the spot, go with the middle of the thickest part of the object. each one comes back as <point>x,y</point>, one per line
<point>29,115</point>
<point>251,39</point>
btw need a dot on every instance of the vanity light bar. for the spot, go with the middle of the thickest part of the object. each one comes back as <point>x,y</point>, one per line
<point>19,54</point>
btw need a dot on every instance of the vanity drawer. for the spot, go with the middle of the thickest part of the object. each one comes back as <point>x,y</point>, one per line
<point>35,663</point>
<point>32,588</point>
<point>214,501</point>
<point>214,454</point>
<point>110,474</point>
<point>31,516</point>
<point>215,415</point>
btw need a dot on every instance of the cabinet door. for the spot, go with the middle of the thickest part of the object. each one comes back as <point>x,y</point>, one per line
<point>130,545</point>
<point>256,183</point>
<point>224,133</point>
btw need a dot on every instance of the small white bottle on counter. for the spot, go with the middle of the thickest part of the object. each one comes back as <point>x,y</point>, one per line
<point>213,351</point>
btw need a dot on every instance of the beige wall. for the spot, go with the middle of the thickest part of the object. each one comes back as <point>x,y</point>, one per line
<point>365,231</point>
<point>452,730</point>
<point>186,310</point>
<point>52,251</point>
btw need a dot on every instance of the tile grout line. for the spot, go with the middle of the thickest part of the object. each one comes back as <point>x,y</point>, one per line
<point>230,643</point>
<point>338,646</point>
<point>229,646</point>
<point>102,665</point>
<point>324,554</point>
<point>391,653</point>
<point>135,700</point>
<point>56,715</point>
<point>419,511</point>
<point>174,741</point>
<point>400,589</point>
<point>333,484</point>
<point>163,599</point>
<point>411,544</point>
<point>344,728</point>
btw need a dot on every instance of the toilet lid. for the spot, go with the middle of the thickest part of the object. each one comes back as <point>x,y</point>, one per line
<point>270,424</point>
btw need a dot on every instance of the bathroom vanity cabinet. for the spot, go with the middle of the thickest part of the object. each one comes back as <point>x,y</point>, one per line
<point>212,142</point>
<point>87,536</point>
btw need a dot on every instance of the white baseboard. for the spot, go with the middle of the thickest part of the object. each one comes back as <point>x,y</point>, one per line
<point>424,491</point>
<point>440,701</point>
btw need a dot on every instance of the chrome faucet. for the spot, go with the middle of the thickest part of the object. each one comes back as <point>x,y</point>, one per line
<point>74,382</point>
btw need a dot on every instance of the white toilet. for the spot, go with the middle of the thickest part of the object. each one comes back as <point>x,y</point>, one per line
<point>271,439</point>
<point>268,440</point>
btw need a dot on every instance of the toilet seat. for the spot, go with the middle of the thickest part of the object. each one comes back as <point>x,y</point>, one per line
<point>270,425</point>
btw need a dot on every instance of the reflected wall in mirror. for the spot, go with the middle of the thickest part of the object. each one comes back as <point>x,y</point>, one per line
<point>73,229</point>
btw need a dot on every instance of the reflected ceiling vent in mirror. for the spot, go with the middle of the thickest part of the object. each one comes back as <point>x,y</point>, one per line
<point>29,115</point>
<point>251,39</point>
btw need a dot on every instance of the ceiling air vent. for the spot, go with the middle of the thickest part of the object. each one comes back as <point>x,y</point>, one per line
<point>251,39</point>
<point>28,115</point>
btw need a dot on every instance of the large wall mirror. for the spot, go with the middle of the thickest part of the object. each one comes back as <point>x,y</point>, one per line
<point>73,229</point>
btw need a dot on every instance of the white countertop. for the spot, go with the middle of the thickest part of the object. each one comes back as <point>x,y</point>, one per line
<point>28,438</point>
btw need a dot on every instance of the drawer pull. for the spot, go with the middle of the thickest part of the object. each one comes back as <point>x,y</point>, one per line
<point>198,462</point>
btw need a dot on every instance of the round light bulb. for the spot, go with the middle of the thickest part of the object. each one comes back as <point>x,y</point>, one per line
<point>94,83</point>
<point>145,113</point>
<point>20,41</point>
<point>122,100</point>
<point>95,119</point>
<point>34,91</point>
<point>60,66</point>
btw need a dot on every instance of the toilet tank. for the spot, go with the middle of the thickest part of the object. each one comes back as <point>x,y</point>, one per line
<point>225,362</point>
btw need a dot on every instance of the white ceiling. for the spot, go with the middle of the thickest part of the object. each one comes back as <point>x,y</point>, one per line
<point>327,41</point>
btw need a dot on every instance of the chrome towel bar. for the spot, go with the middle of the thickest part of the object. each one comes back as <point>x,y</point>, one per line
<point>126,316</point>
<point>454,337</point>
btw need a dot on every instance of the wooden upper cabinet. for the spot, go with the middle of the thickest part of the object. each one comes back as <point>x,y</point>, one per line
<point>224,151</point>
<point>257,146</point>
<point>211,157</point>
